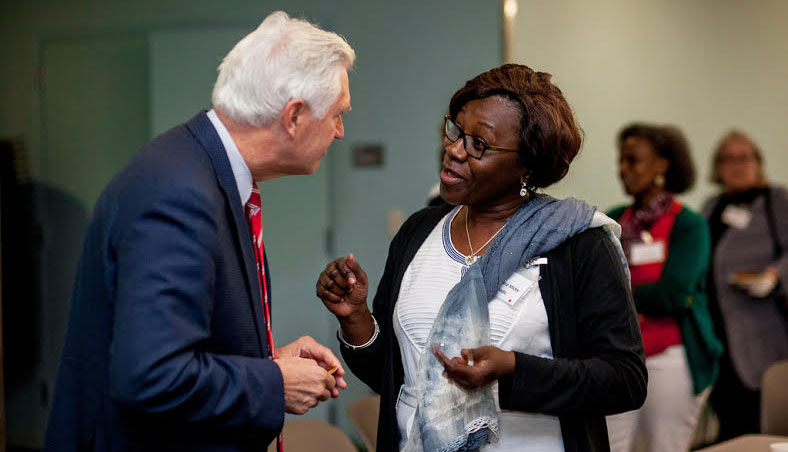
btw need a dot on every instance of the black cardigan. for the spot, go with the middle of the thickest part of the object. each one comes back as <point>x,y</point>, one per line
<point>599,366</point>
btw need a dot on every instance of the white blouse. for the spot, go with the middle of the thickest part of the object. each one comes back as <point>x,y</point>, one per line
<point>515,324</point>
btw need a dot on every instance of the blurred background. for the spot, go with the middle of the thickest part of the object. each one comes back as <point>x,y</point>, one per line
<point>85,83</point>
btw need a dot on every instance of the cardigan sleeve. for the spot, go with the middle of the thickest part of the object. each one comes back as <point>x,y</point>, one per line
<point>780,206</point>
<point>616,212</point>
<point>367,363</point>
<point>599,366</point>
<point>684,272</point>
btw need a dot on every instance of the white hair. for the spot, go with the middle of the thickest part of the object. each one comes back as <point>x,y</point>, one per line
<point>283,59</point>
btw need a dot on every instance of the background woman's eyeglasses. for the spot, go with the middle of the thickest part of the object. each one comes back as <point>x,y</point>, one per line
<point>735,159</point>
<point>474,146</point>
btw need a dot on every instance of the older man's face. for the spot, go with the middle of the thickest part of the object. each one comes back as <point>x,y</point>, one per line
<point>323,131</point>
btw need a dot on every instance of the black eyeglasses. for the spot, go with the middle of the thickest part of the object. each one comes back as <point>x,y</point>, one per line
<point>474,146</point>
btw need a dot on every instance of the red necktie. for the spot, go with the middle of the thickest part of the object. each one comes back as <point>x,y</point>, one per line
<point>254,216</point>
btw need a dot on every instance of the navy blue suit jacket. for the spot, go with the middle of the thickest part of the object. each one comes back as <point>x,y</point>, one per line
<point>165,344</point>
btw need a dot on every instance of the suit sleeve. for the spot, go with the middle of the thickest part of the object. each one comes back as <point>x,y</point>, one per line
<point>686,264</point>
<point>608,375</point>
<point>166,260</point>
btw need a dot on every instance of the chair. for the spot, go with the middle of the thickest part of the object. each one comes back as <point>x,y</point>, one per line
<point>364,415</point>
<point>313,435</point>
<point>774,399</point>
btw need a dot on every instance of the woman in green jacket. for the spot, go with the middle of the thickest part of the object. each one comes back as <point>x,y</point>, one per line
<point>667,246</point>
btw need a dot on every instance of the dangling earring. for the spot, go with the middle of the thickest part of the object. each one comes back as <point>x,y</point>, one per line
<point>659,180</point>
<point>524,190</point>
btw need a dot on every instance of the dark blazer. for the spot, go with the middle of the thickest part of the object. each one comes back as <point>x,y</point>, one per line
<point>599,366</point>
<point>165,344</point>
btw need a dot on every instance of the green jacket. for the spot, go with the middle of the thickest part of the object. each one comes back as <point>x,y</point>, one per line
<point>681,293</point>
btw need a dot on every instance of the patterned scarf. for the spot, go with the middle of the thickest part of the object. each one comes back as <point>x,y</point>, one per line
<point>643,218</point>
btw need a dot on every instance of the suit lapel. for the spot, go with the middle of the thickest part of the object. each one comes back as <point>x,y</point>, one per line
<point>203,130</point>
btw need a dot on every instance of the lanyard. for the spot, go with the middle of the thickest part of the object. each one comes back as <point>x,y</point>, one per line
<point>263,284</point>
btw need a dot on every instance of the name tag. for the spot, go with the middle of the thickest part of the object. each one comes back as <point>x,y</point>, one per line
<point>515,288</point>
<point>736,216</point>
<point>647,253</point>
<point>536,261</point>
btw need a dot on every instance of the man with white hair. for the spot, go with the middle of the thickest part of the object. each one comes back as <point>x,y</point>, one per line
<point>169,343</point>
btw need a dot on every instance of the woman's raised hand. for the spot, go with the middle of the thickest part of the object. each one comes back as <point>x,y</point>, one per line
<point>342,286</point>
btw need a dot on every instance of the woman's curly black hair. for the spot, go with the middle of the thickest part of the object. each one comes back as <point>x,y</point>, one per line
<point>669,143</point>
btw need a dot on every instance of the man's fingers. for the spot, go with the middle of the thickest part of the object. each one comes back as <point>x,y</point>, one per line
<point>326,359</point>
<point>338,373</point>
<point>306,377</point>
<point>329,382</point>
<point>328,388</point>
<point>322,355</point>
<point>296,409</point>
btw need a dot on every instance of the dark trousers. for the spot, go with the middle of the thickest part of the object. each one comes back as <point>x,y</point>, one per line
<point>738,407</point>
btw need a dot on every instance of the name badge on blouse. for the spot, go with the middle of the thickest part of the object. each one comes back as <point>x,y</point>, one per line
<point>515,288</point>
<point>647,253</point>
<point>736,216</point>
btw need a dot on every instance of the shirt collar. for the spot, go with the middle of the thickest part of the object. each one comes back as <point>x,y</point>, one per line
<point>243,177</point>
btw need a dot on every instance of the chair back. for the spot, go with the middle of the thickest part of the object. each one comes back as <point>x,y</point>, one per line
<point>313,435</point>
<point>364,415</point>
<point>774,399</point>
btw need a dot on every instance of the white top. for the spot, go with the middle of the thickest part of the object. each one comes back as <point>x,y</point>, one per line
<point>519,325</point>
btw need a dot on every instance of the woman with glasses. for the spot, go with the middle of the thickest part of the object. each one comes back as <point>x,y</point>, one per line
<point>503,321</point>
<point>667,247</point>
<point>749,232</point>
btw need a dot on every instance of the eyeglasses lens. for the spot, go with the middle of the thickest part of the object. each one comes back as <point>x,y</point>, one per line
<point>451,130</point>
<point>473,145</point>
